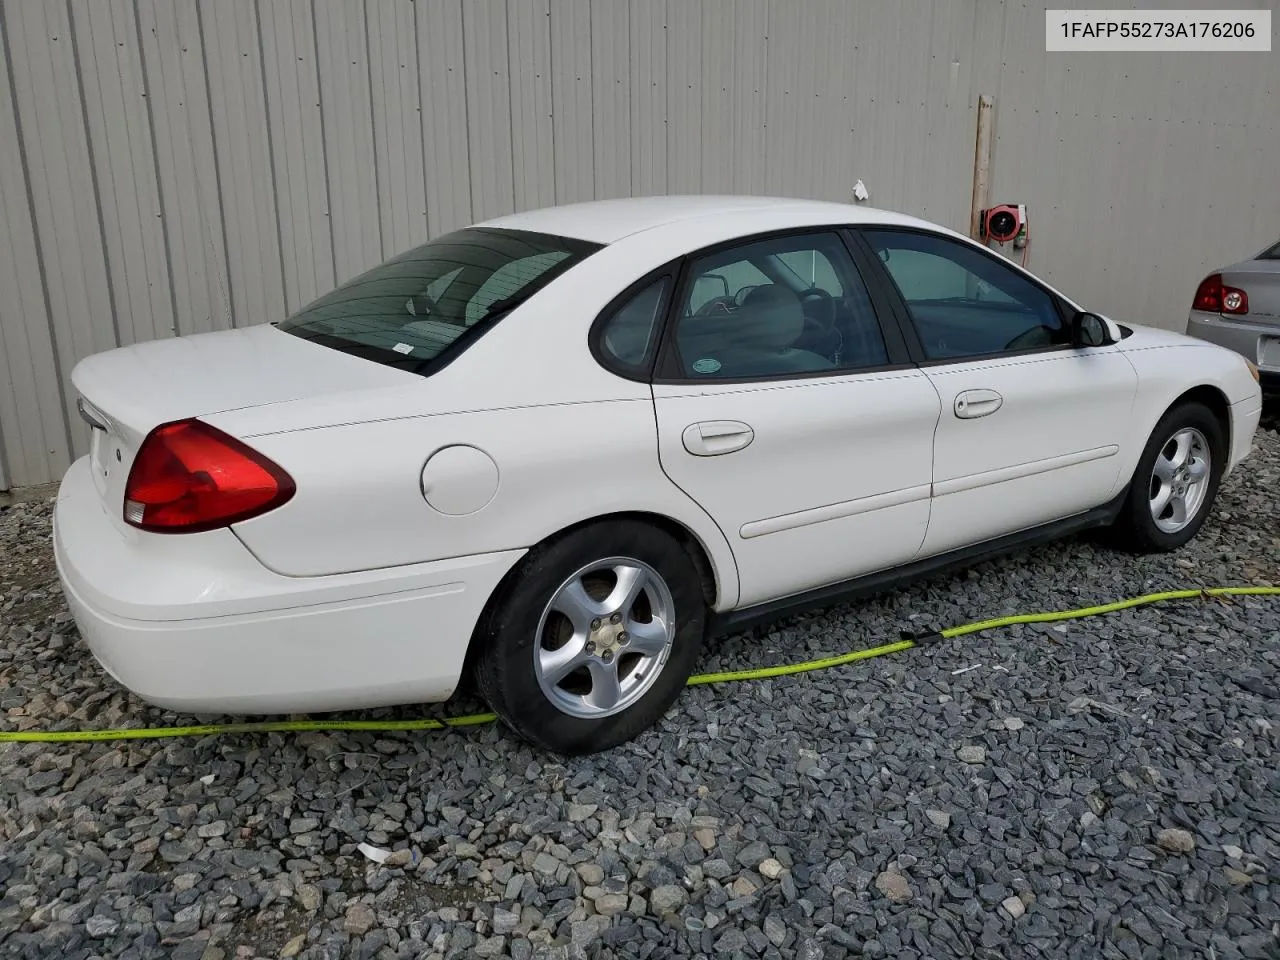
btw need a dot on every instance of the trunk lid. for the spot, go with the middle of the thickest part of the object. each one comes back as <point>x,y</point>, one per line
<point>125,393</point>
<point>1260,279</point>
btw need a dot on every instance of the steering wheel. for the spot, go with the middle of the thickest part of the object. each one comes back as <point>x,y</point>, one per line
<point>1040,336</point>
<point>821,334</point>
<point>817,294</point>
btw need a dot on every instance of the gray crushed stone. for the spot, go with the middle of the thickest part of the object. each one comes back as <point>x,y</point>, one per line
<point>1102,788</point>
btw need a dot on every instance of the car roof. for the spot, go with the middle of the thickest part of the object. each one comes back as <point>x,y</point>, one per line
<point>607,221</point>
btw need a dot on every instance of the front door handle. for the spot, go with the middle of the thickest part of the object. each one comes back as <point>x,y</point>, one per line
<point>711,438</point>
<point>977,403</point>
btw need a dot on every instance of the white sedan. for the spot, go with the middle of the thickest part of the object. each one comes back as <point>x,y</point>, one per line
<point>562,447</point>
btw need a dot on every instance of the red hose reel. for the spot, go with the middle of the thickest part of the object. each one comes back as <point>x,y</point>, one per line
<point>1002,222</point>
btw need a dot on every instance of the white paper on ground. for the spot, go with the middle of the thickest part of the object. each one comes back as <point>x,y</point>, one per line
<point>376,854</point>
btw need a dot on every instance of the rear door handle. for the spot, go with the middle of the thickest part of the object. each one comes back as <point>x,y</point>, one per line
<point>711,438</point>
<point>977,403</point>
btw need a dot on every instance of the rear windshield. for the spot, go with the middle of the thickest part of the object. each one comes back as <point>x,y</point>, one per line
<point>416,311</point>
<point>1272,254</point>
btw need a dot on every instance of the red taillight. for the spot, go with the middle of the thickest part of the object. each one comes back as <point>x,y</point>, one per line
<point>189,476</point>
<point>1213,297</point>
<point>1209,295</point>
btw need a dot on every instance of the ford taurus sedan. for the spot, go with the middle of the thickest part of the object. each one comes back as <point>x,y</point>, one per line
<point>560,448</point>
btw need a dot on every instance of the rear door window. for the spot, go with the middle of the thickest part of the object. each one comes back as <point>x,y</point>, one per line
<point>783,306</point>
<point>429,302</point>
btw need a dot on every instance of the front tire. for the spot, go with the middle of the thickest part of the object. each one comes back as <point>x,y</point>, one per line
<point>592,637</point>
<point>1176,480</point>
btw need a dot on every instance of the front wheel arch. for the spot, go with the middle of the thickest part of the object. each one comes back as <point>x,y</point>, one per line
<point>1211,397</point>
<point>1134,528</point>
<point>1150,416</point>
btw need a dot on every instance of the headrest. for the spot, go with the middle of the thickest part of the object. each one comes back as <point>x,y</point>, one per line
<point>771,318</point>
<point>420,305</point>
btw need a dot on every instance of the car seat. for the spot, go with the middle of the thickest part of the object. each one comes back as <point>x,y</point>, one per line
<point>755,340</point>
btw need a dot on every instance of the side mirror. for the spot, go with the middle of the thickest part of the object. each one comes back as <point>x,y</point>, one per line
<point>1090,330</point>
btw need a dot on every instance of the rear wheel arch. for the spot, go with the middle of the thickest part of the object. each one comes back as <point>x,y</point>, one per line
<point>711,585</point>
<point>690,541</point>
<point>514,643</point>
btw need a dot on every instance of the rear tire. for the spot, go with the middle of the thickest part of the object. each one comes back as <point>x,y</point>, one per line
<point>1176,481</point>
<point>592,637</point>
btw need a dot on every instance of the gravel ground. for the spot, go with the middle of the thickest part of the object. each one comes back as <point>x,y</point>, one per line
<point>1104,788</point>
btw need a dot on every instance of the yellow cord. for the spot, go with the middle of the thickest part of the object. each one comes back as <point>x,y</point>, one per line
<point>729,676</point>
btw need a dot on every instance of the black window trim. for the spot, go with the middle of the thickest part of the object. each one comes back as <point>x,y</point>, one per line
<point>581,252</point>
<point>902,312</point>
<point>666,369</point>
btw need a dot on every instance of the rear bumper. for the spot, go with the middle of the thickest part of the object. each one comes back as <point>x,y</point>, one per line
<point>1244,424</point>
<point>1258,342</point>
<point>196,623</point>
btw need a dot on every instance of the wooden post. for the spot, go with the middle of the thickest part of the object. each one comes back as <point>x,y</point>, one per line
<point>981,165</point>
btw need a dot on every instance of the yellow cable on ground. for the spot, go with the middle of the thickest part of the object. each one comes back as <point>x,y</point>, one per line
<point>729,676</point>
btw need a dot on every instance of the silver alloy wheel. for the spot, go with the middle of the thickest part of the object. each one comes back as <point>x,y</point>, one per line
<point>1179,480</point>
<point>604,638</point>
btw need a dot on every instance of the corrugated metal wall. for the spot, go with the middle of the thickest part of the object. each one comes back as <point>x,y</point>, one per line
<point>173,166</point>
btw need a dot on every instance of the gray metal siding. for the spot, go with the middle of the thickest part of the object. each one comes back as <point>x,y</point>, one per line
<point>346,111</point>
<point>179,166</point>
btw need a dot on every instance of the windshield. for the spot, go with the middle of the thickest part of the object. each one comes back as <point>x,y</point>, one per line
<point>412,310</point>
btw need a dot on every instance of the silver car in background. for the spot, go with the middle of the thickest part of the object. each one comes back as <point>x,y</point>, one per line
<point>1238,307</point>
